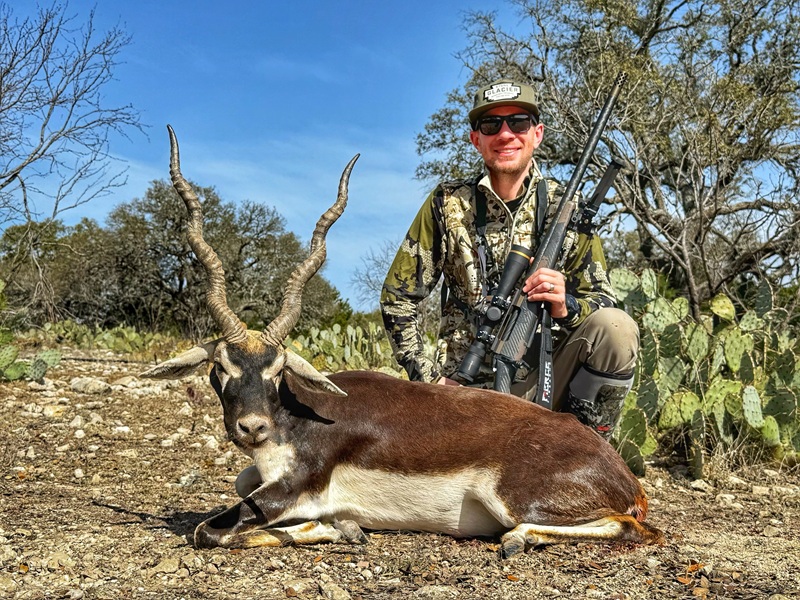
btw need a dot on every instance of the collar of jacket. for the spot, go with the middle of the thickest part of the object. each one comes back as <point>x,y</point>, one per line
<point>484,183</point>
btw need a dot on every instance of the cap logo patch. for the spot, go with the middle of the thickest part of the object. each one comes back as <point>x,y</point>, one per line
<point>502,91</point>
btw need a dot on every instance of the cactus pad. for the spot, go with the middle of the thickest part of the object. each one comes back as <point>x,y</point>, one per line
<point>669,344</point>
<point>36,369</point>
<point>15,370</point>
<point>632,456</point>
<point>659,314</point>
<point>671,370</point>
<point>751,407</point>
<point>50,357</point>
<point>633,426</point>
<point>670,416</point>
<point>782,405</point>
<point>750,321</point>
<point>770,432</point>
<point>624,283</point>
<point>688,404</point>
<point>786,366</point>
<point>722,306</point>
<point>736,343</point>
<point>648,399</point>
<point>681,307</point>
<point>649,281</point>
<point>696,342</point>
<point>718,390</point>
<point>648,352</point>
<point>8,354</point>
<point>763,298</point>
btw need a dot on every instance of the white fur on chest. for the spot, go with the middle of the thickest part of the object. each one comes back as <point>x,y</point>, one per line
<point>274,461</point>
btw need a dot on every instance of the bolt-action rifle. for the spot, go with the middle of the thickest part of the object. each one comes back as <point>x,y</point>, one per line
<point>522,323</point>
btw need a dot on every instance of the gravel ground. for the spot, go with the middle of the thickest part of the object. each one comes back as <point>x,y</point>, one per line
<point>103,478</point>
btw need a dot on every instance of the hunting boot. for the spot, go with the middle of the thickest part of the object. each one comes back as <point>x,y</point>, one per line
<point>596,398</point>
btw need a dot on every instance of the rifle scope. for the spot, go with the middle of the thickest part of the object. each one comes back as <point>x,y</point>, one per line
<point>516,263</point>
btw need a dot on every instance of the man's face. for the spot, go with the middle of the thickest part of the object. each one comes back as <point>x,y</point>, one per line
<point>507,152</point>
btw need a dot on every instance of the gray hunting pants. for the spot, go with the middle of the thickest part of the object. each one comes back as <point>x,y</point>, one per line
<point>607,342</point>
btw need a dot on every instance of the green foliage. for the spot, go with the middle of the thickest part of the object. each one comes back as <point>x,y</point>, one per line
<point>346,348</point>
<point>13,368</point>
<point>720,380</point>
<point>121,339</point>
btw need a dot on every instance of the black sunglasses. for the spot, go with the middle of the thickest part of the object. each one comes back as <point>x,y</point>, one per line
<point>516,123</point>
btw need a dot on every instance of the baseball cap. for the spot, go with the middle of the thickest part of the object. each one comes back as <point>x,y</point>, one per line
<point>504,92</point>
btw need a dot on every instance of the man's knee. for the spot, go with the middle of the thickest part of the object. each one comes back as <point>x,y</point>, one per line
<point>614,339</point>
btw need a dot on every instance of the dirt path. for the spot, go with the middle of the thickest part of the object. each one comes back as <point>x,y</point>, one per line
<point>102,482</point>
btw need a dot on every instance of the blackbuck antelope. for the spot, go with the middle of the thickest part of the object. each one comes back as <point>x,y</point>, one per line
<point>361,449</point>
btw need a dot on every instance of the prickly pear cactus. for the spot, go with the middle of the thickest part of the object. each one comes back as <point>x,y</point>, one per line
<point>750,321</point>
<point>670,417</point>
<point>633,426</point>
<point>751,407</point>
<point>696,342</point>
<point>782,405</point>
<point>15,371</point>
<point>346,348</point>
<point>628,289</point>
<point>624,283</point>
<point>8,354</point>
<point>681,307</point>
<point>689,404</point>
<point>736,375</point>
<point>648,399</point>
<point>51,358</point>
<point>671,340</point>
<point>735,345</point>
<point>763,300</point>
<point>671,370</point>
<point>722,306</point>
<point>659,314</point>
<point>718,391</point>
<point>786,366</point>
<point>770,433</point>
<point>648,353</point>
<point>36,369</point>
<point>649,281</point>
<point>632,455</point>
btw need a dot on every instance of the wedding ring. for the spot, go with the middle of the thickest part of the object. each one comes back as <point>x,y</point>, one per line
<point>552,287</point>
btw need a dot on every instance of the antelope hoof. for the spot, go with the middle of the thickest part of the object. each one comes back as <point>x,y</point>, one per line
<point>351,531</point>
<point>206,537</point>
<point>512,543</point>
<point>510,548</point>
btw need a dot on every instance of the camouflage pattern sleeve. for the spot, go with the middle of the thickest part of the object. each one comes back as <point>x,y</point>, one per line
<point>587,279</point>
<point>415,271</point>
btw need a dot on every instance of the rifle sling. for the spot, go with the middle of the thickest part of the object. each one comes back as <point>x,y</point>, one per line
<point>544,390</point>
<point>541,208</point>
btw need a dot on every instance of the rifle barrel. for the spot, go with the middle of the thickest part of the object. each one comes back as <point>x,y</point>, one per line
<point>580,168</point>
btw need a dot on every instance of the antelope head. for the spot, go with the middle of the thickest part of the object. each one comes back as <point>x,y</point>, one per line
<point>247,367</point>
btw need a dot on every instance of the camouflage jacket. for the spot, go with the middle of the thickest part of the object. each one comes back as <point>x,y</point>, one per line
<point>443,240</point>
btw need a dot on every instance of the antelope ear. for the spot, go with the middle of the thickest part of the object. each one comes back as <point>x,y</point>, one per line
<point>307,375</point>
<point>183,364</point>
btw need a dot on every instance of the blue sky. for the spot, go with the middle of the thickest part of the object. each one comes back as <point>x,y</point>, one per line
<point>271,99</point>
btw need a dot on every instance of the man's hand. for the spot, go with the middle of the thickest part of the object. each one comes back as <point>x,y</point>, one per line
<point>546,285</point>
